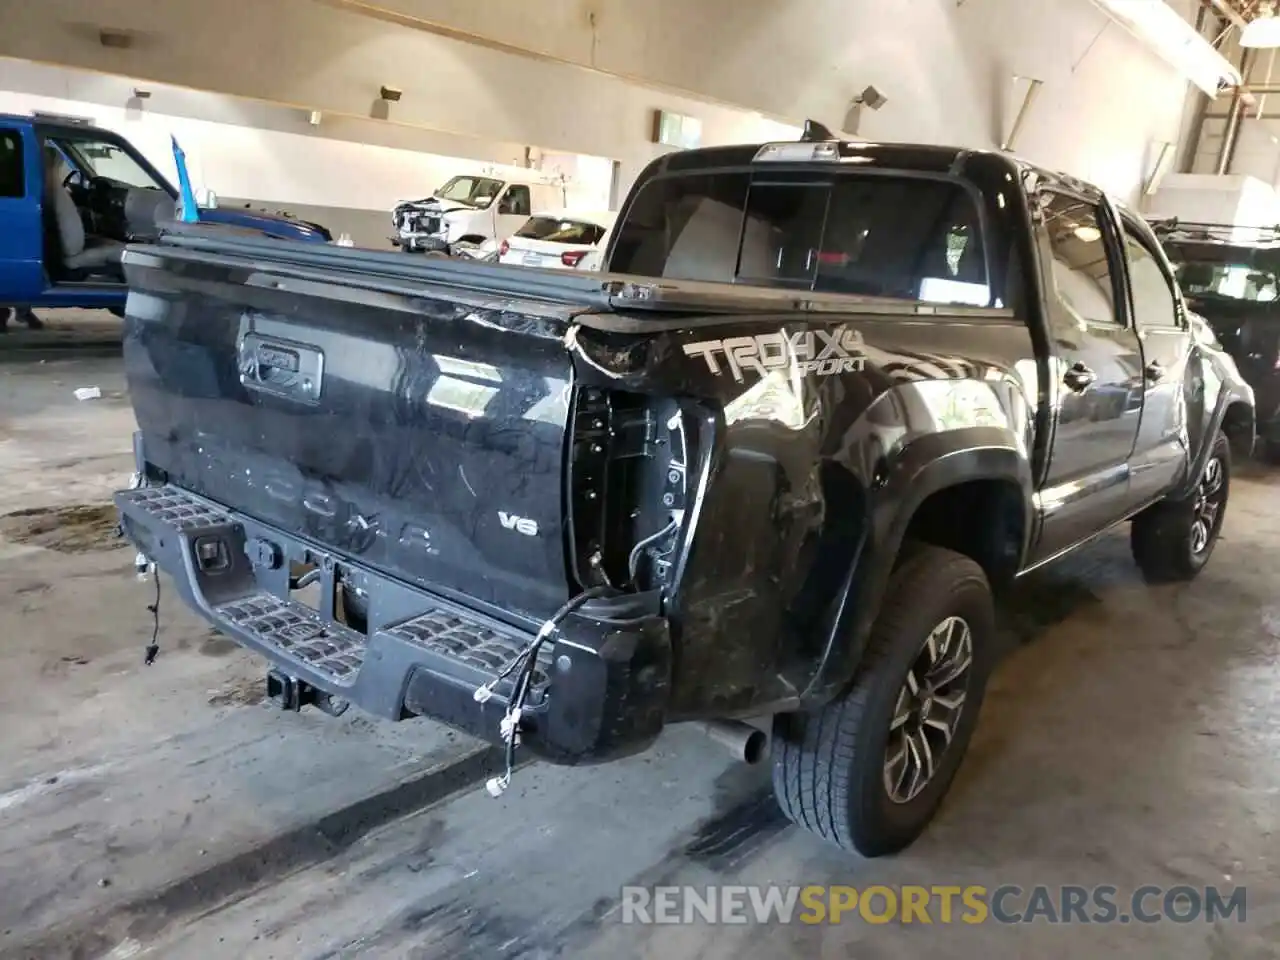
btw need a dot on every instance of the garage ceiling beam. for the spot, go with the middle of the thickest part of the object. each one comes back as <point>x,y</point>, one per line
<point>1162,30</point>
<point>1225,8</point>
<point>370,8</point>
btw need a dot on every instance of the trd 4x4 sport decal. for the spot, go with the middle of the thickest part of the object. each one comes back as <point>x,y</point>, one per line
<point>820,352</point>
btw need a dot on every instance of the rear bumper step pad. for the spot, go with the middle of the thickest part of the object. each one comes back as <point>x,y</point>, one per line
<point>600,695</point>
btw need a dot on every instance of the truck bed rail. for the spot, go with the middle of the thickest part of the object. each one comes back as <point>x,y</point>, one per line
<point>563,294</point>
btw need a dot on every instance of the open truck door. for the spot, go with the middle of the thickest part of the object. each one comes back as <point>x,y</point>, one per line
<point>21,228</point>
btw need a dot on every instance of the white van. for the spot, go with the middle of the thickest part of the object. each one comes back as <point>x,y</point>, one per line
<point>471,209</point>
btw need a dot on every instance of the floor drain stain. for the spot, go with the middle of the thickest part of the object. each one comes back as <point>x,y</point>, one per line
<point>78,528</point>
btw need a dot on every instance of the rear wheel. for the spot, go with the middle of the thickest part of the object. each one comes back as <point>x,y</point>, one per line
<point>869,770</point>
<point>1174,539</point>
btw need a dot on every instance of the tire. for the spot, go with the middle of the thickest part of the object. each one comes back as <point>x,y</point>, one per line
<point>829,772</point>
<point>1164,538</point>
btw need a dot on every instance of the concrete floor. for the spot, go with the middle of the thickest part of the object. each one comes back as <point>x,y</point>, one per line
<point>62,328</point>
<point>1130,738</point>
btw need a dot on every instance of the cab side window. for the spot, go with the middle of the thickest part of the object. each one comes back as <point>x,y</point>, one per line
<point>1153,299</point>
<point>12,181</point>
<point>1081,273</point>
<point>516,201</point>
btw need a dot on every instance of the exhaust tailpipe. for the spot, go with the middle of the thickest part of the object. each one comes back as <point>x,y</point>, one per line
<point>748,744</point>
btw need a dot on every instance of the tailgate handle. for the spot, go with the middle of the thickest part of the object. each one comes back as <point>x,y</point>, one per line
<point>283,368</point>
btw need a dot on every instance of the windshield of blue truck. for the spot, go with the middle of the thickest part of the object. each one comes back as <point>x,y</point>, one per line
<point>906,237</point>
<point>472,191</point>
<point>110,161</point>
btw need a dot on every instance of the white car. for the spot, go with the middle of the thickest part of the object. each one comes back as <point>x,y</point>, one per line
<point>558,239</point>
<point>469,209</point>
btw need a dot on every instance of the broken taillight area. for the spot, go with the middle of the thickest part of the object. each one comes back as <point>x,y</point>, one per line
<point>630,486</point>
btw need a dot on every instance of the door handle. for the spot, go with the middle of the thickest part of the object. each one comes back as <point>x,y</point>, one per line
<point>1079,377</point>
<point>1153,371</point>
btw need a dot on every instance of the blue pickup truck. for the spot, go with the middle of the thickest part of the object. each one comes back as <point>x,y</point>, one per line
<point>72,196</point>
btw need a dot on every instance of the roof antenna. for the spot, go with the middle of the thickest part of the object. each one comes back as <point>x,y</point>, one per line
<point>815,132</point>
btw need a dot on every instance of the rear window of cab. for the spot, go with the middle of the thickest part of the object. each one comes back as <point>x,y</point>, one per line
<point>902,236</point>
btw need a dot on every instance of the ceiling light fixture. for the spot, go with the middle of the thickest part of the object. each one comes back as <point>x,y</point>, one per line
<point>1163,30</point>
<point>1264,30</point>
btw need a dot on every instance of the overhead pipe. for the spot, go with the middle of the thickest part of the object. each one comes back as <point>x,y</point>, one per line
<point>1229,139</point>
<point>1273,115</point>
<point>1226,10</point>
<point>1033,87</point>
<point>1158,170</point>
<point>1187,163</point>
<point>1267,85</point>
<point>1202,14</point>
<point>1227,152</point>
<point>1271,65</point>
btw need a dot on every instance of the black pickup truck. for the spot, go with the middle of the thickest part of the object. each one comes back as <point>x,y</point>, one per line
<point>765,474</point>
<point>1231,276</point>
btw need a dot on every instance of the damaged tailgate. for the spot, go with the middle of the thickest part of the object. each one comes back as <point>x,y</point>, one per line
<point>421,432</point>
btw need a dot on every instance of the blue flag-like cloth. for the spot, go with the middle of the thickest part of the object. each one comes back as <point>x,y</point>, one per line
<point>189,212</point>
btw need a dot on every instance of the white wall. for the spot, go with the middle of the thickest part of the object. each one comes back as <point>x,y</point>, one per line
<point>265,165</point>
<point>1207,198</point>
<point>1257,152</point>
<point>271,156</point>
<point>947,67</point>
<point>587,179</point>
<point>246,158</point>
<point>605,65</point>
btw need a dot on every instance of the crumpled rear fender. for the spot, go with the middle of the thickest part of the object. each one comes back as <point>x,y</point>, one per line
<point>926,466</point>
